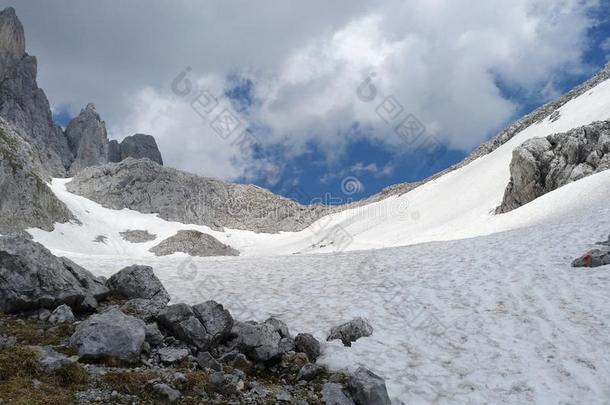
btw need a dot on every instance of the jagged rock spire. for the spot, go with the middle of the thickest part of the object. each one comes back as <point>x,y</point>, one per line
<point>12,37</point>
<point>87,139</point>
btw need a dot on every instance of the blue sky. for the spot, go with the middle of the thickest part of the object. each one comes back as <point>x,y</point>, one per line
<point>463,70</point>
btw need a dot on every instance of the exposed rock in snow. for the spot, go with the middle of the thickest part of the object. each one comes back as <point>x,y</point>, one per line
<point>193,243</point>
<point>137,236</point>
<point>541,165</point>
<point>111,334</point>
<point>144,186</point>
<point>141,146</point>
<point>351,331</point>
<point>31,277</point>
<point>367,388</point>
<point>258,341</point>
<point>593,258</point>
<point>138,282</point>
<point>216,320</point>
<point>87,139</point>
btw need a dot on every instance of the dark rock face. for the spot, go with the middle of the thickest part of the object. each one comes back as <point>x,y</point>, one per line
<point>140,146</point>
<point>351,331</point>
<point>146,187</point>
<point>25,201</point>
<point>368,388</point>
<point>22,103</point>
<point>114,151</point>
<point>87,139</point>
<point>193,243</point>
<point>111,334</point>
<point>31,278</point>
<point>258,341</point>
<point>180,321</point>
<point>216,320</point>
<point>306,343</point>
<point>138,282</point>
<point>541,165</point>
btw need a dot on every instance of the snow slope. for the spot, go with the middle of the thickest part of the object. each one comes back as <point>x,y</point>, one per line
<point>468,307</point>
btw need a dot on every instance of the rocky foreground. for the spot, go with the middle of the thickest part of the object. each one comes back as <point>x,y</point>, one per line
<point>70,337</point>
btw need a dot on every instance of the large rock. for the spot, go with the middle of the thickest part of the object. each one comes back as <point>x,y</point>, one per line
<point>111,334</point>
<point>147,187</point>
<point>25,105</point>
<point>25,201</point>
<point>138,282</point>
<point>333,394</point>
<point>87,139</point>
<point>50,360</point>
<point>31,278</point>
<point>258,341</point>
<point>193,243</point>
<point>216,320</point>
<point>541,165</point>
<point>306,343</point>
<point>351,331</point>
<point>141,146</point>
<point>367,388</point>
<point>181,322</point>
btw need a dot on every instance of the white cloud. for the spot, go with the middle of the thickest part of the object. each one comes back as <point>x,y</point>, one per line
<point>440,59</point>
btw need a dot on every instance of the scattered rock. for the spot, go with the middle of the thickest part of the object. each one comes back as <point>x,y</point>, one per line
<point>62,314</point>
<point>605,243</point>
<point>137,236</point>
<point>225,384</point>
<point>216,320</point>
<point>166,392</point>
<point>333,394</point>
<point>259,342</point>
<point>205,360</point>
<point>153,335</point>
<point>593,258</point>
<point>309,371</point>
<point>279,326</point>
<point>351,331</point>
<point>138,282</point>
<point>283,396</point>
<point>32,278</point>
<point>181,321</point>
<point>100,239</point>
<point>193,243</point>
<point>146,310</point>
<point>368,388</point>
<point>306,343</point>
<point>50,360</point>
<point>111,334</point>
<point>171,355</point>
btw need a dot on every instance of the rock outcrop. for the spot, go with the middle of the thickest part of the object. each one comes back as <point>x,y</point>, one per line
<point>137,236</point>
<point>144,186</point>
<point>541,165</point>
<point>193,243</point>
<point>25,105</point>
<point>138,282</point>
<point>25,201</point>
<point>351,331</point>
<point>87,139</point>
<point>32,278</point>
<point>140,146</point>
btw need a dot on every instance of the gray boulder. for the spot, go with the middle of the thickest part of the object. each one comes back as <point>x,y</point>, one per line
<point>216,320</point>
<point>181,322</point>
<point>541,165</point>
<point>205,360</point>
<point>193,243</point>
<point>137,236</point>
<point>593,258</point>
<point>168,393</point>
<point>351,331</point>
<point>258,341</point>
<point>309,371</point>
<point>138,282</point>
<point>62,314</point>
<point>32,278</point>
<point>153,335</point>
<point>279,326</point>
<point>171,355</point>
<point>367,388</point>
<point>333,394</point>
<point>141,146</point>
<point>225,384</point>
<point>306,343</point>
<point>87,139</point>
<point>50,360</point>
<point>145,309</point>
<point>111,334</point>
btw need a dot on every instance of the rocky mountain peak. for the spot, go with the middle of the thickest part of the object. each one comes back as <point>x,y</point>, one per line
<point>87,139</point>
<point>12,37</point>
